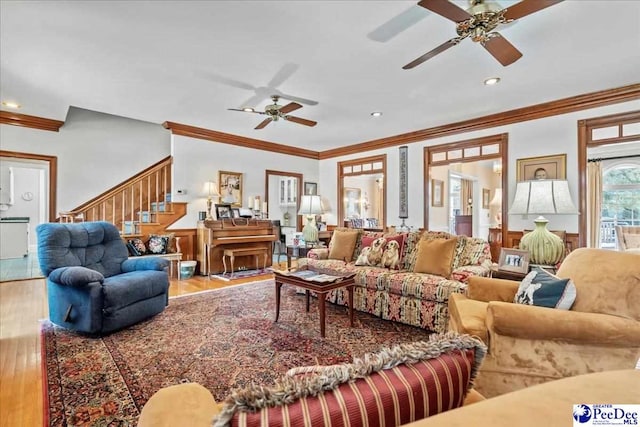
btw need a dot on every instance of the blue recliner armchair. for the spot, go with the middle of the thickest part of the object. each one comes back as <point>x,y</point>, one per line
<point>92,285</point>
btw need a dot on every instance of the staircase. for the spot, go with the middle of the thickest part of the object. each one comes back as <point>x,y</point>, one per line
<point>139,206</point>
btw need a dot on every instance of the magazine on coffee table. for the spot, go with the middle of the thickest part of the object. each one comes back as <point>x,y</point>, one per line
<point>311,275</point>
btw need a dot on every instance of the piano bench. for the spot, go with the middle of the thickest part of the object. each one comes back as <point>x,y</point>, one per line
<point>232,253</point>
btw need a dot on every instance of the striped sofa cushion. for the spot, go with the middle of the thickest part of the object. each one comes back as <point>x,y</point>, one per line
<point>393,387</point>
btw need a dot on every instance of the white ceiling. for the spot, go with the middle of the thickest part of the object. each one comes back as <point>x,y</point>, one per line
<point>175,60</point>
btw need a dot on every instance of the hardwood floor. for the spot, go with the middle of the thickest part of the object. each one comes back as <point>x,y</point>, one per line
<point>22,305</point>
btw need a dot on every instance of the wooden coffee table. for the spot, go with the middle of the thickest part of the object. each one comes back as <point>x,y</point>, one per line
<point>321,289</point>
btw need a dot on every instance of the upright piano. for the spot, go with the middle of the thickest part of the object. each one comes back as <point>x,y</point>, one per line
<point>236,233</point>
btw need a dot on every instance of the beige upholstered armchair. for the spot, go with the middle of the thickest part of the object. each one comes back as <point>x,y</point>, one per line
<point>628,238</point>
<point>529,345</point>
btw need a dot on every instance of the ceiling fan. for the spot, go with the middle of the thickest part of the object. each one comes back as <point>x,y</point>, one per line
<point>277,112</point>
<point>479,22</point>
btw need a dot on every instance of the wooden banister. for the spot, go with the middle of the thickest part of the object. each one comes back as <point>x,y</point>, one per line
<point>137,200</point>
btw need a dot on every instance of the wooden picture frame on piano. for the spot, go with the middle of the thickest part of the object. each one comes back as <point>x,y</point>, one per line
<point>223,211</point>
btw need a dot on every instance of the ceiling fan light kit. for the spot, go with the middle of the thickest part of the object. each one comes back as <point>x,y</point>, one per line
<point>478,22</point>
<point>277,112</point>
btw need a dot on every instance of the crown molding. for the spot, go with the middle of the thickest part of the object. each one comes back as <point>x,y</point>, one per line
<point>24,120</point>
<point>533,112</point>
<point>241,141</point>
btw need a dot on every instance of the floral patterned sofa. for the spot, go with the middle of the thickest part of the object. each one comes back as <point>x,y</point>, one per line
<point>418,299</point>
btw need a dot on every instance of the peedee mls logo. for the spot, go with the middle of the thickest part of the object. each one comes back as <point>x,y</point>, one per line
<point>605,415</point>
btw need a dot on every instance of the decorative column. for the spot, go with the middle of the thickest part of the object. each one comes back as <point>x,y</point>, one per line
<point>404,186</point>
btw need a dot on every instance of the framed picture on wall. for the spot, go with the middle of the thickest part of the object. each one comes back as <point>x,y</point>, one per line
<point>311,188</point>
<point>485,198</point>
<point>437,187</point>
<point>543,167</point>
<point>230,187</point>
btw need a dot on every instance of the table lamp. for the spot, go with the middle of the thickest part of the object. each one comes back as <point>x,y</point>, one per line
<point>540,197</point>
<point>211,190</point>
<point>310,206</point>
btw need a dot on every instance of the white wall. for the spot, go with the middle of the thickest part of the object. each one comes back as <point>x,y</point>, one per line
<point>547,136</point>
<point>95,151</point>
<point>196,161</point>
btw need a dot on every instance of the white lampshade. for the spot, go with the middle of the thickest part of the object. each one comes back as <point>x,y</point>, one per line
<point>210,188</point>
<point>547,196</point>
<point>310,205</point>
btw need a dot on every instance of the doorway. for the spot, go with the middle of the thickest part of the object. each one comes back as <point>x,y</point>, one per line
<point>283,191</point>
<point>27,198</point>
<point>482,160</point>
<point>600,141</point>
<point>362,192</point>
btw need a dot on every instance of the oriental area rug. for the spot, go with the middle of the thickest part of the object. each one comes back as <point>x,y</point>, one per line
<point>222,339</point>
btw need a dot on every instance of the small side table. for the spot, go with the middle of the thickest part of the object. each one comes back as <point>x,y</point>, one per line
<point>503,274</point>
<point>296,252</point>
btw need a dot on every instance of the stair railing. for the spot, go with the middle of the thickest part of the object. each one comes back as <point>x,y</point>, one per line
<point>131,202</point>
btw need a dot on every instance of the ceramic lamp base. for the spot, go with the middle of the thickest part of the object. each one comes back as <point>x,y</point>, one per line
<point>310,231</point>
<point>209,206</point>
<point>544,246</point>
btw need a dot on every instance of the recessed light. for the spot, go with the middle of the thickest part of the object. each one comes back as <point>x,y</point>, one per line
<point>376,113</point>
<point>492,81</point>
<point>9,104</point>
<point>248,109</point>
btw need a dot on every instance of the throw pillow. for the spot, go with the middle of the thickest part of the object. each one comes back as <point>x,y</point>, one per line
<point>391,387</point>
<point>392,256</point>
<point>632,241</point>
<point>543,289</point>
<point>171,241</point>
<point>158,244</point>
<point>435,256</point>
<point>343,243</point>
<point>136,247</point>
<point>372,250</point>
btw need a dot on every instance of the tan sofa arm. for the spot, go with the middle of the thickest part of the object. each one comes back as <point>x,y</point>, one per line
<point>541,323</point>
<point>487,289</point>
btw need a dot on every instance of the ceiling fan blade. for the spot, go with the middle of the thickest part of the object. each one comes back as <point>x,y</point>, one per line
<point>445,8</point>
<point>245,111</point>
<point>444,46</point>
<point>398,24</point>
<point>300,120</point>
<point>501,49</point>
<point>226,80</point>
<point>296,98</point>
<point>264,123</point>
<point>292,106</point>
<point>527,7</point>
<point>254,100</point>
<point>283,74</point>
